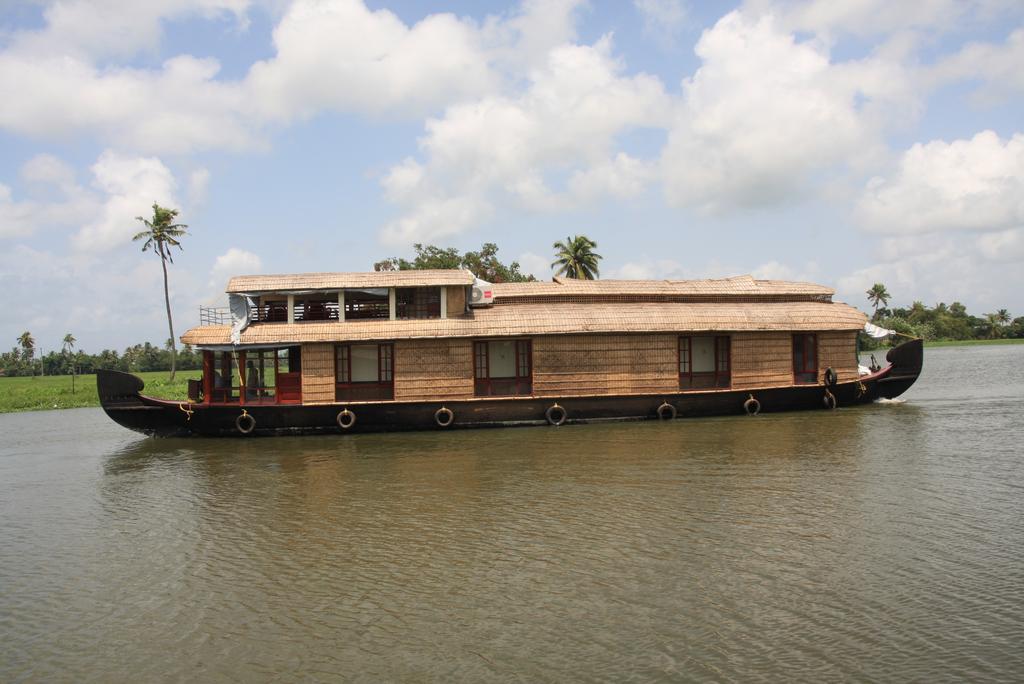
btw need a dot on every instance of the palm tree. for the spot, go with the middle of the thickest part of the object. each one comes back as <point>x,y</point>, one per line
<point>918,311</point>
<point>993,325</point>
<point>575,258</point>
<point>28,346</point>
<point>879,297</point>
<point>66,347</point>
<point>1003,317</point>
<point>160,235</point>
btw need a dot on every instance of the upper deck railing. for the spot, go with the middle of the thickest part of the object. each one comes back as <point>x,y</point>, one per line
<point>214,315</point>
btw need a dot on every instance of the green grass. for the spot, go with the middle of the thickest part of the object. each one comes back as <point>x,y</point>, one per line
<point>54,391</point>
<point>966,343</point>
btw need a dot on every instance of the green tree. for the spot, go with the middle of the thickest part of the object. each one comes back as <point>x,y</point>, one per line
<point>878,296</point>
<point>575,258</point>
<point>28,350</point>
<point>161,235</point>
<point>67,348</point>
<point>483,263</point>
<point>1003,317</point>
<point>992,324</point>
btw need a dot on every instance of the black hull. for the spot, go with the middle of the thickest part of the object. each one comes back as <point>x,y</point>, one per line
<point>121,398</point>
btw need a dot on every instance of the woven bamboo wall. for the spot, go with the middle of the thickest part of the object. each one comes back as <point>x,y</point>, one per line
<point>317,373</point>
<point>762,360</point>
<point>604,364</point>
<point>431,370</point>
<point>838,350</point>
<point>428,370</point>
<point>456,300</point>
<point>766,359</point>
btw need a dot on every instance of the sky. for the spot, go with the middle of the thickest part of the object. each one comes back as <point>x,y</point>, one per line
<point>845,142</point>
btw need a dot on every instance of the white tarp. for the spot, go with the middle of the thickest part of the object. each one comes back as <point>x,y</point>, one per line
<point>877,332</point>
<point>240,306</point>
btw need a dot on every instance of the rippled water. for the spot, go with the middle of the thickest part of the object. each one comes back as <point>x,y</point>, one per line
<point>882,542</point>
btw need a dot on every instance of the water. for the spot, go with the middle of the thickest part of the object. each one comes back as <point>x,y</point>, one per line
<point>882,542</point>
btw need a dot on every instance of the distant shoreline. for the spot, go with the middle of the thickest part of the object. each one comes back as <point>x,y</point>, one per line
<point>50,392</point>
<point>53,392</point>
<point>973,343</point>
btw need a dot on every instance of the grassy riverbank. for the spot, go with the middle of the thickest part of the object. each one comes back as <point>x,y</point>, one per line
<point>54,391</point>
<point>971,343</point>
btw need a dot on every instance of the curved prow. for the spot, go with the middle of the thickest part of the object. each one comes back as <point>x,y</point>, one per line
<point>905,361</point>
<point>118,389</point>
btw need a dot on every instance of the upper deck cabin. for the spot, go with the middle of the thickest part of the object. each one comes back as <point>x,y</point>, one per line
<point>415,336</point>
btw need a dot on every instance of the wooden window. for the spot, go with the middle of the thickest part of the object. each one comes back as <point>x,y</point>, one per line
<point>418,302</point>
<point>805,359</point>
<point>368,303</point>
<point>261,376</point>
<point>705,362</point>
<point>502,368</point>
<point>364,372</point>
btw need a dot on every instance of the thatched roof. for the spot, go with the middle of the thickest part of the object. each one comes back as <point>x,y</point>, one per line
<point>557,318</point>
<point>299,282</point>
<point>722,288</point>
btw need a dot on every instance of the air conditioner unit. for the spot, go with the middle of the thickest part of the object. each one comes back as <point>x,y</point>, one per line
<point>482,293</point>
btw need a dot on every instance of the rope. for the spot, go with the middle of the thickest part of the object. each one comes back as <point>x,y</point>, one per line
<point>187,411</point>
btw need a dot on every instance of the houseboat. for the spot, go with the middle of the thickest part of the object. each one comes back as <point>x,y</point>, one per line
<point>416,350</point>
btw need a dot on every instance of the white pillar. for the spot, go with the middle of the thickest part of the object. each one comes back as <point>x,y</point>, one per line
<point>291,308</point>
<point>444,302</point>
<point>341,305</point>
<point>392,304</point>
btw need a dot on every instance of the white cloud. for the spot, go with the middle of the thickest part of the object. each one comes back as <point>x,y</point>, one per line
<point>92,291</point>
<point>198,182</point>
<point>535,264</point>
<point>764,112</point>
<point>662,18</point>
<point>101,28</point>
<point>879,17</point>
<point>622,177</point>
<point>130,186</point>
<point>177,109</point>
<point>513,150</point>
<point>235,261</point>
<point>956,267</point>
<point>16,218</point>
<point>975,184</point>
<point>340,55</point>
<point>57,200</point>
<point>998,67</point>
<point>331,55</point>
<point>48,169</point>
<point>1006,245</point>
<point>436,218</point>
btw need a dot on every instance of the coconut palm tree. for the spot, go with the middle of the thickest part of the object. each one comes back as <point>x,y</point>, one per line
<point>575,258</point>
<point>66,347</point>
<point>879,297</point>
<point>994,329</point>
<point>1003,316</point>
<point>160,235</point>
<point>28,346</point>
